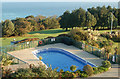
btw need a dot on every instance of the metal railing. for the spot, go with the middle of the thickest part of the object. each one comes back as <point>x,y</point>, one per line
<point>20,46</point>
<point>90,49</point>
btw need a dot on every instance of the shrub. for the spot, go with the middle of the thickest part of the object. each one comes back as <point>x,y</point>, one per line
<point>99,69</point>
<point>73,68</point>
<point>116,38</point>
<point>83,75</point>
<point>74,75</point>
<point>6,72</point>
<point>23,73</point>
<point>78,71</point>
<point>79,35</point>
<point>96,72</point>
<point>95,68</point>
<point>106,35</point>
<point>61,70</point>
<point>39,71</point>
<point>88,69</point>
<point>102,68</point>
<point>68,74</point>
<point>6,60</point>
<point>40,58</point>
<point>106,64</point>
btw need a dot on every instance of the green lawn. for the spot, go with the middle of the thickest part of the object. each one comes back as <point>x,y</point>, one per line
<point>101,31</point>
<point>37,34</point>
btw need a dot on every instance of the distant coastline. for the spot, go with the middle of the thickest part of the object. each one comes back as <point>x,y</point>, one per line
<point>12,10</point>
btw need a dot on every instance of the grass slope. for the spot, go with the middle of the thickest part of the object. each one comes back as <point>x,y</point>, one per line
<point>36,34</point>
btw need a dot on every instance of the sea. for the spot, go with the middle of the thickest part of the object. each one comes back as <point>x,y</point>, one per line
<point>13,10</point>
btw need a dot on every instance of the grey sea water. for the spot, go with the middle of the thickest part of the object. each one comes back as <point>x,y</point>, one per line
<point>11,10</point>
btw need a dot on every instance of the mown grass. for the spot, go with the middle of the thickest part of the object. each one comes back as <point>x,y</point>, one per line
<point>101,31</point>
<point>36,34</point>
<point>41,34</point>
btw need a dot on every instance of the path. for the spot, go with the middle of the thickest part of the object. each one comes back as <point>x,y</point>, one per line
<point>113,72</point>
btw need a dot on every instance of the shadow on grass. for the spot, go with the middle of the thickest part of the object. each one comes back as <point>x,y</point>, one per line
<point>48,31</point>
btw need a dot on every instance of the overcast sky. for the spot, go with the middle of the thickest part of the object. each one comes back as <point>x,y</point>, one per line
<point>60,0</point>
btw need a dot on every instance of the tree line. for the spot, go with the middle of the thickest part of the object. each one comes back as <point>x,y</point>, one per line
<point>93,18</point>
<point>20,26</point>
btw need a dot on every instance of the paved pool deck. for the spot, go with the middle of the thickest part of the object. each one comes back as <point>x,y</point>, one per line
<point>27,55</point>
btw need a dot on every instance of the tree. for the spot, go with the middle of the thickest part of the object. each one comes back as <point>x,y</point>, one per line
<point>64,21</point>
<point>79,17</point>
<point>8,28</point>
<point>94,12</point>
<point>109,8</point>
<point>51,23</point>
<point>103,16</point>
<point>29,17</point>
<point>90,20</point>
<point>33,25</point>
<point>39,18</point>
<point>22,26</point>
<point>108,20</point>
<point>119,16</point>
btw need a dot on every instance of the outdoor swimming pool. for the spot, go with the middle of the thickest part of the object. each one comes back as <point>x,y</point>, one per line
<point>61,59</point>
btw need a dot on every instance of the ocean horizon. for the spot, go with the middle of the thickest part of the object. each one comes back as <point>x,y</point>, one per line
<point>13,10</point>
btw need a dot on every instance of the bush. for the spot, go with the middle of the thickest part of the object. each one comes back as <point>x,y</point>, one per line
<point>96,72</point>
<point>23,73</point>
<point>106,64</point>
<point>88,69</point>
<point>102,68</point>
<point>61,70</point>
<point>6,72</point>
<point>6,61</point>
<point>39,71</point>
<point>78,71</point>
<point>83,75</point>
<point>116,38</point>
<point>106,35</point>
<point>79,35</point>
<point>73,68</point>
<point>74,75</point>
<point>40,58</point>
<point>68,74</point>
<point>99,69</point>
<point>95,68</point>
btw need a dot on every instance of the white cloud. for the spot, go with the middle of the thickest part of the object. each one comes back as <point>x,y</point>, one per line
<point>60,0</point>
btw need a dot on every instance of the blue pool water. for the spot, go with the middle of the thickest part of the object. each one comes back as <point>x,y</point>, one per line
<point>61,59</point>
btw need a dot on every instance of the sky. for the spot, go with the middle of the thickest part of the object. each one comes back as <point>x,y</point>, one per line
<point>59,0</point>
